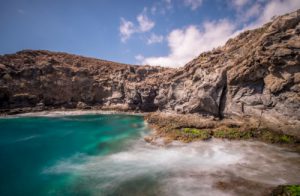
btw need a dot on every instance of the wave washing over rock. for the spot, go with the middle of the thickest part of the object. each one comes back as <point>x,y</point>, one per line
<point>255,74</point>
<point>202,168</point>
<point>99,154</point>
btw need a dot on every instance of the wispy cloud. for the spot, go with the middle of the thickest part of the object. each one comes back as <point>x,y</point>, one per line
<point>21,11</point>
<point>161,7</point>
<point>139,57</point>
<point>193,4</point>
<point>276,8</point>
<point>155,39</point>
<point>145,24</point>
<point>127,28</point>
<point>239,3</point>
<point>187,43</point>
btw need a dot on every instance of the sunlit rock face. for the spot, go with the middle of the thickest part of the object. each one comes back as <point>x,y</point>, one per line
<point>255,74</point>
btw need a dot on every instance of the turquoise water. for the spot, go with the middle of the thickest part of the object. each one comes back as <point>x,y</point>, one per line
<point>29,145</point>
<point>106,155</point>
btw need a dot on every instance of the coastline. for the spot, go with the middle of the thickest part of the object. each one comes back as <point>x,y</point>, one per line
<point>160,123</point>
<point>168,127</point>
<point>70,112</point>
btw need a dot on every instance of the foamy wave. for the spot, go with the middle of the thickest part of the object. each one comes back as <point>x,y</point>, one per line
<point>73,113</point>
<point>185,169</point>
<point>27,138</point>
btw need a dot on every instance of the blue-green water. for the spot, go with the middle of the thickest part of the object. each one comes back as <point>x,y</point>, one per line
<point>29,145</point>
<point>106,155</point>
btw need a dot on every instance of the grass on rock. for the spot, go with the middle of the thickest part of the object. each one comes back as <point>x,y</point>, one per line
<point>288,190</point>
<point>188,134</point>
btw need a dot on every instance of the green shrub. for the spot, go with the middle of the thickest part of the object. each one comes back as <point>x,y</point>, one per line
<point>289,190</point>
<point>294,190</point>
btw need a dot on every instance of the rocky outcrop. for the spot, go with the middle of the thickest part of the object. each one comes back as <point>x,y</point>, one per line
<point>45,80</point>
<point>256,74</point>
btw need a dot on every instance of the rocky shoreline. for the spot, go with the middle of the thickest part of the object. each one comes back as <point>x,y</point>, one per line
<point>168,127</point>
<point>189,128</point>
<point>171,126</point>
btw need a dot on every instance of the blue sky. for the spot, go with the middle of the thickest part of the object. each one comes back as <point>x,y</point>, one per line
<point>159,32</point>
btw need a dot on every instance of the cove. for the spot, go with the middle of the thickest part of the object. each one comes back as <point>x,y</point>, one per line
<point>106,155</point>
<point>28,145</point>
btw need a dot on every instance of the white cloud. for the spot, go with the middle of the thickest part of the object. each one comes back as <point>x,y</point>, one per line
<point>161,7</point>
<point>185,44</point>
<point>239,3</point>
<point>155,39</point>
<point>127,28</point>
<point>193,4</point>
<point>276,8</point>
<point>266,13</point>
<point>253,11</point>
<point>139,57</point>
<point>145,24</point>
<point>153,9</point>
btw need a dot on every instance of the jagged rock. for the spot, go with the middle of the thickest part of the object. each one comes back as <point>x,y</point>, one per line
<point>254,74</point>
<point>82,105</point>
<point>64,80</point>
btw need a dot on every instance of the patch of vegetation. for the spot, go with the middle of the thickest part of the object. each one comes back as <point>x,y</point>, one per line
<point>263,135</point>
<point>288,190</point>
<point>197,133</point>
<point>232,133</point>
<point>273,137</point>
<point>294,190</point>
<point>190,134</point>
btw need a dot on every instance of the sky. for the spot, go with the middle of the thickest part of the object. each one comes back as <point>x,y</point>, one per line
<point>154,32</point>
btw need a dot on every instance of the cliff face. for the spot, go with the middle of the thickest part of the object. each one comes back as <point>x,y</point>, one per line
<point>256,74</point>
<point>53,80</point>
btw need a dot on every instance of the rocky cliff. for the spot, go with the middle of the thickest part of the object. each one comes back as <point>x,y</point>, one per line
<point>256,74</point>
<point>46,80</point>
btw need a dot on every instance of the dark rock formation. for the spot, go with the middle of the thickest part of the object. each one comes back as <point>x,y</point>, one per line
<point>256,74</point>
<point>54,80</point>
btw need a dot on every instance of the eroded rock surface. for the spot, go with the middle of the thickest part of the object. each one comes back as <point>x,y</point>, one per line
<point>49,79</point>
<point>256,74</point>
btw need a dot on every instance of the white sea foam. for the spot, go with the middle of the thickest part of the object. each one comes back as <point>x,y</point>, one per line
<point>59,113</point>
<point>186,169</point>
<point>23,139</point>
